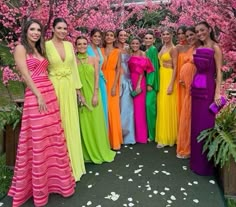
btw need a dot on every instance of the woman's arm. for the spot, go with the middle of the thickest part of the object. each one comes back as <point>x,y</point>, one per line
<point>174,55</point>
<point>117,76</point>
<point>218,60</point>
<point>96,81</point>
<point>138,86</point>
<point>20,60</point>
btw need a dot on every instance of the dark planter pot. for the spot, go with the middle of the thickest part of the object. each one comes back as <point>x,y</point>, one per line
<point>11,142</point>
<point>227,176</point>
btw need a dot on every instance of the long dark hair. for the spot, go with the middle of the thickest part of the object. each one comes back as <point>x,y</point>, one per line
<point>212,35</point>
<point>191,28</point>
<point>58,20</point>
<point>183,28</point>
<point>39,45</point>
<point>80,38</point>
<point>95,30</point>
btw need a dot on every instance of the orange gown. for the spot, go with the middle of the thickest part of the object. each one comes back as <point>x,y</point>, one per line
<point>180,63</point>
<point>114,119</point>
<point>186,75</point>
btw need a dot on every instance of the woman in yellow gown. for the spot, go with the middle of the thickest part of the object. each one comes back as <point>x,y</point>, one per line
<point>64,75</point>
<point>166,124</point>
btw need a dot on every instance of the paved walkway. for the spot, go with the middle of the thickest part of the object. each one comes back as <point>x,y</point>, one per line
<point>142,176</point>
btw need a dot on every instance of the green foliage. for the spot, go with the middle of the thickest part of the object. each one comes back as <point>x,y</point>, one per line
<point>10,115</point>
<point>5,177</point>
<point>6,57</point>
<point>231,202</point>
<point>220,141</point>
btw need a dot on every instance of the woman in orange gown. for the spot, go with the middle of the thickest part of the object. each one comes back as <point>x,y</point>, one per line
<point>182,48</point>
<point>111,70</point>
<point>187,72</point>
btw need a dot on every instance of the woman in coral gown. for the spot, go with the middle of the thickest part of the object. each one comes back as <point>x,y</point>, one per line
<point>95,142</point>
<point>166,124</point>
<point>186,76</point>
<point>64,75</point>
<point>139,64</point>
<point>111,70</point>
<point>94,50</point>
<point>205,90</point>
<point>42,163</point>
<point>126,101</point>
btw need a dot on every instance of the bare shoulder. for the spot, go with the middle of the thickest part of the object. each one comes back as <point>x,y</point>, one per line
<point>20,49</point>
<point>216,47</point>
<point>143,54</point>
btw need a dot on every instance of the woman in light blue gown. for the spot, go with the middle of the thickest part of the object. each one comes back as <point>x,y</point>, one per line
<point>126,100</point>
<point>94,51</point>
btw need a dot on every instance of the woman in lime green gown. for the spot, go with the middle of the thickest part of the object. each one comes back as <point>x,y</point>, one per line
<point>166,124</point>
<point>65,78</point>
<point>95,141</point>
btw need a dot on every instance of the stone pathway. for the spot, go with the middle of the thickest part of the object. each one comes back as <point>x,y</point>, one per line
<point>142,176</point>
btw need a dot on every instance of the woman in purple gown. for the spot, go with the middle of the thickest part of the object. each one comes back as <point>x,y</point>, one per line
<point>138,65</point>
<point>205,90</point>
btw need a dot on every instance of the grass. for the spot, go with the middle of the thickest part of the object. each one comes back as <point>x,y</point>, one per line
<point>5,177</point>
<point>231,202</point>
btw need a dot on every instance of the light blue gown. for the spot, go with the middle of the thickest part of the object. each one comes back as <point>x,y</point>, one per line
<point>102,80</point>
<point>126,103</point>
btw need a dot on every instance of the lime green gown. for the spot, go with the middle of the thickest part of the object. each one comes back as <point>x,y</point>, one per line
<point>95,141</point>
<point>65,78</point>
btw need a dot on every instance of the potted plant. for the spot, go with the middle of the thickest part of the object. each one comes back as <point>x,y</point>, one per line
<point>220,145</point>
<point>10,118</point>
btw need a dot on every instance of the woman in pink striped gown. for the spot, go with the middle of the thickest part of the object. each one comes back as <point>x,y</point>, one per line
<point>42,162</point>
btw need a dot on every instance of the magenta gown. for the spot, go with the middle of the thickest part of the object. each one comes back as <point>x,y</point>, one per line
<point>140,65</point>
<point>42,161</point>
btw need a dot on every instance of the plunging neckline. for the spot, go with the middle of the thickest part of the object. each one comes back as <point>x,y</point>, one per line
<point>63,61</point>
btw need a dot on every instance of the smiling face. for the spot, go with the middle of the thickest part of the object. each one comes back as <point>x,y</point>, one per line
<point>110,37</point>
<point>191,37</point>
<point>203,32</point>
<point>166,36</point>
<point>82,45</point>
<point>135,45</point>
<point>60,30</point>
<point>122,37</point>
<point>181,35</point>
<point>33,33</point>
<point>96,38</point>
<point>148,40</point>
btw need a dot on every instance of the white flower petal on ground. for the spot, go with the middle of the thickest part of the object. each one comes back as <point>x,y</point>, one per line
<point>96,174</point>
<point>90,172</point>
<point>149,188</point>
<point>130,199</point>
<point>150,196</point>
<point>118,152</point>
<point>166,151</point>
<point>110,170</point>
<point>185,193</point>
<point>139,175</point>
<point>137,153</point>
<point>139,186</point>
<point>195,182</point>
<point>184,167</point>
<point>155,192</point>
<point>168,205</point>
<point>137,171</point>
<point>182,189</point>
<point>169,201</point>
<point>190,184</point>
<point>130,204</point>
<point>130,180</point>
<point>90,186</point>
<point>98,206</point>
<point>195,200</point>
<point>125,204</point>
<point>120,177</point>
<point>184,198</point>
<point>166,189</point>
<point>89,203</point>
<point>173,197</point>
<point>131,148</point>
<point>140,166</point>
<point>125,146</point>
<point>162,193</point>
<point>108,197</point>
<point>167,173</point>
<point>163,165</point>
<point>1,204</point>
<point>212,182</point>
<point>127,165</point>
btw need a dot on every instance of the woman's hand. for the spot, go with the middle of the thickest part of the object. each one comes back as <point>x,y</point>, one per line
<point>217,99</point>
<point>149,88</point>
<point>138,90</point>
<point>170,89</point>
<point>42,104</point>
<point>181,82</point>
<point>95,100</point>
<point>113,91</point>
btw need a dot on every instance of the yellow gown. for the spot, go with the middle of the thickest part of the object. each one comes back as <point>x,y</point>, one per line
<point>166,124</point>
<point>65,78</point>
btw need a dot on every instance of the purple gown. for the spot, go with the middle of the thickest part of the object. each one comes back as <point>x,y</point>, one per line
<point>140,65</point>
<point>202,92</point>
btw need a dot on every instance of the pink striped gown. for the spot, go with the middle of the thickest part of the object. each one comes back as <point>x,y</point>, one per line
<point>42,162</point>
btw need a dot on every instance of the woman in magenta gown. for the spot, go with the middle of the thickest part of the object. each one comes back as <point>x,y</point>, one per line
<point>42,162</point>
<point>139,64</point>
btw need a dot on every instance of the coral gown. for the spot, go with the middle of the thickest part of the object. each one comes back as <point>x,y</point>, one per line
<point>184,133</point>
<point>114,120</point>
<point>126,103</point>
<point>166,124</point>
<point>42,162</point>
<point>95,141</point>
<point>139,66</point>
<point>65,78</point>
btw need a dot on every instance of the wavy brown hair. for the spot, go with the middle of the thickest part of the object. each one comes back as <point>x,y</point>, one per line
<point>39,45</point>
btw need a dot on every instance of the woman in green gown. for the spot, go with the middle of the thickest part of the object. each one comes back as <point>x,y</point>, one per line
<point>95,142</point>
